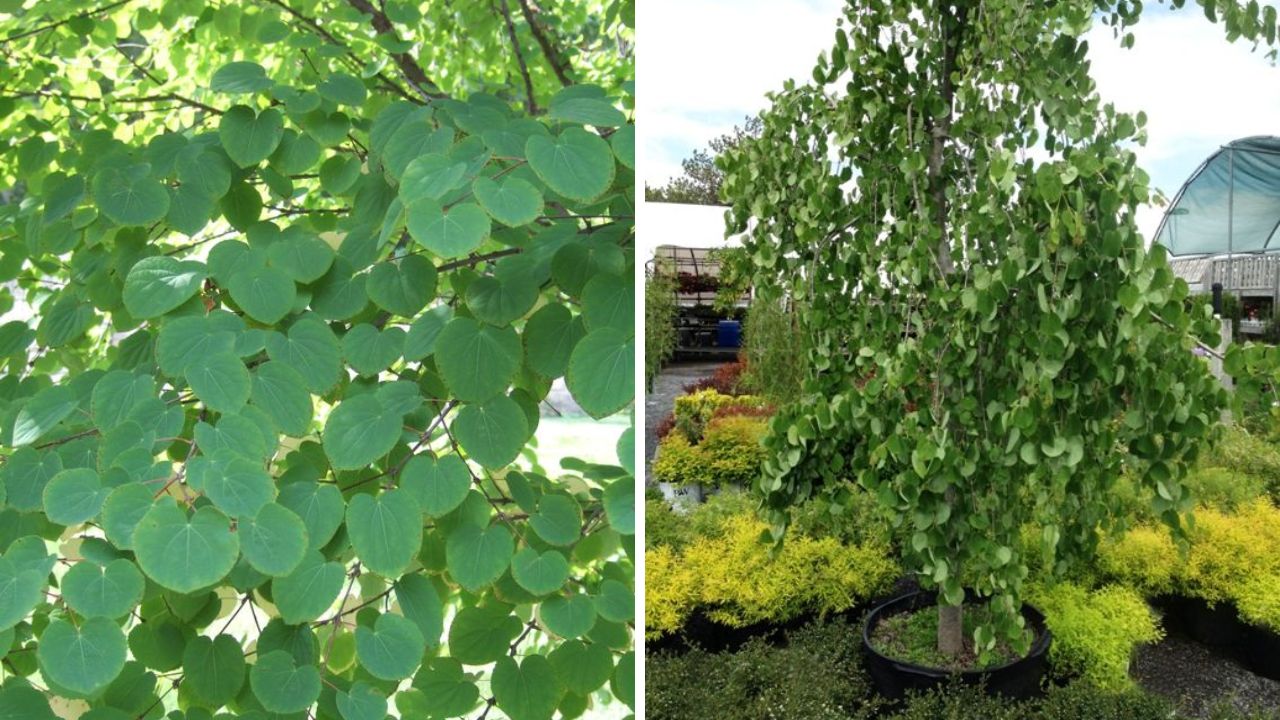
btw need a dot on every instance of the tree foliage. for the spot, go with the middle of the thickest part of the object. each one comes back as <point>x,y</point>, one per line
<point>287,282</point>
<point>991,339</point>
<point>700,183</point>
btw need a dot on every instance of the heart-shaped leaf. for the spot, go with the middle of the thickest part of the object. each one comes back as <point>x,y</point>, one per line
<point>478,556</point>
<point>250,137</point>
<point>185,554</point>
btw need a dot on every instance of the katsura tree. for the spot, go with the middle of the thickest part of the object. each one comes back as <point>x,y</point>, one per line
<point>286,286</point>
<point>992,340</point>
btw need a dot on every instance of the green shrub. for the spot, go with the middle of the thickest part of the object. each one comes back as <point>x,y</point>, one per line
<point>1223,488</point>
<point>957,701</point>
<point>1248,454</point>
<point>1095,632</point>
<point>660,311</point>
<point>848,513</point>
<point>1082,701</point>
<point>662,527</point>
<point>1258,600</point>
<point>740,580</point>
<point>694,410</point>
<point>776,352</point>
<point>816,675</point>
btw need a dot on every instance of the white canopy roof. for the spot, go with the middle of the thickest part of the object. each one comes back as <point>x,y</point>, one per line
<point>686,226</point>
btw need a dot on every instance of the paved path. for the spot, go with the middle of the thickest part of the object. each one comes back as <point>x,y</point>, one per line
<point>669,383</point>
<point>1197,679</point>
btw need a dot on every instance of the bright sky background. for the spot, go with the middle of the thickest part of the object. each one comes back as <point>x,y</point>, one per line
<point>708,64</point>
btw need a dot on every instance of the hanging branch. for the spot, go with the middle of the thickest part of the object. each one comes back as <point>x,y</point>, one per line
<point>409,67</point>
<point>531,103</point>
<point>555,58</point>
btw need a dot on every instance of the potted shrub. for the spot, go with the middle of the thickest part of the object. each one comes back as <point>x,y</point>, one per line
<point>990,340</point>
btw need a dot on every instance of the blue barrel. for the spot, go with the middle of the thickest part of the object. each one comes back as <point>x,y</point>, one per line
<point>729,334</point>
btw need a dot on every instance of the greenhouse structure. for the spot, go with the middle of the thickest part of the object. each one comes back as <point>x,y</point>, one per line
<point>1222,227</point>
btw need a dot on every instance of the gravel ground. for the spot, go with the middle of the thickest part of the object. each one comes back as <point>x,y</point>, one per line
<point>669,383</point>
<point>1197,679</point>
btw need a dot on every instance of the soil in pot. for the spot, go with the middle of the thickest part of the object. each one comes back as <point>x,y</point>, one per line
<point>912,636</point>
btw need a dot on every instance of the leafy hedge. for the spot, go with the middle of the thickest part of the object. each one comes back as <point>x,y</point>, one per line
<point>738,579</point>
<point>1095,632</point>
<point>730,454</point>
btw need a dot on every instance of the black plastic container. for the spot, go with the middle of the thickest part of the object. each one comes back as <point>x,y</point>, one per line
<point>1221,629</point>
<point>1020,679</point>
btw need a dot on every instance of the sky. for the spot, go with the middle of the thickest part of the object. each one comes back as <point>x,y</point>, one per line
<point>715,60</point>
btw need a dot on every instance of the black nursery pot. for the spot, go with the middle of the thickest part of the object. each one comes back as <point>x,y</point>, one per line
<point>1020,679</point>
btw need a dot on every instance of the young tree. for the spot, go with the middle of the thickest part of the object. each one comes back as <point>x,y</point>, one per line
<point>286,283</point>
<point>992,340</point>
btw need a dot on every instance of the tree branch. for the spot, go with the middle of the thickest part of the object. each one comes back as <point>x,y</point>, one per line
<point>559,65</point>
<point>409,67</point>
<point>530,102</point>
<point>60,23</point>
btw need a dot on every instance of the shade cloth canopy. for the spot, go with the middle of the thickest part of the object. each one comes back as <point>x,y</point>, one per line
<point>1231,203</point>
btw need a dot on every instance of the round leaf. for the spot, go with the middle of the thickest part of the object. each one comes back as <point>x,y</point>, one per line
<point>158,284</point>
<point>108,591</point>
<point>81,659</point>
<point>185,554</point>
<point>386,531</point>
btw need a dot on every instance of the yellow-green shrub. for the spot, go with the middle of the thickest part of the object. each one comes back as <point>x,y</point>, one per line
<point>678,462</point>
<point>1221,488</point>
<point>729,454</point>
<point>1258,600</point>
<point>739,580</point>
<point>1144,558</point>
<point>733,450</point>
<point>1095,632</point>
<point>694,410</point>
<point>1243,452</point>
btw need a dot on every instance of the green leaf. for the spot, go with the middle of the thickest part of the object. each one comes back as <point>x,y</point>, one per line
<point>582,668</point>
<point>623,142</point>
<point>403,286</point>
<point>42,413</point>
<point>480,635</point>
<point>282,394</point>
<point>21,589</point>
<point>250,137</point>
<point>184,339</point>
<point>493,432</point>
<point>501,301</point>
<point>129,196</point>
<point>311,349</point>
<point>185,554</point>
<point>359,431</point>
<point>204,171</point>
<point>213,670</point>
<point>369,350</point>
<point>392,649</point>
<point>620,505</point>
<point>343,89</point>
<point>477,557</point>
<point>73,497</point>
<point>386,531</point>
<point>302,257</point>
<point>601,374</point>
<point>264,294</point>
<point>512,202</point>
<point>156,285</point>
<point>550,336</point>
<point>274,540</point>
<point>81,659</point>
<point>281,685</point>
<point>361,702</point>
<point>438,484</point>
<point>304,594</point>
<point>122,511</point>
<point>220,380</point>
<point>431,177</point>
<point>320,507</point>
<point>609,301</point>
<point>477,361</point>
<point>449,234</point>
<point>447,691</point>
<point>420,602</point>
<point>237,486</point>
<point>576,164</point>
<point>584,105</point>
<point>239,77</point>
<point>425,331</point>
<point>540,573</point>
<point>116,394</point>
<point>528,691</point>
<point>568,617</point>
<point>558,519</point>
<point>615,602</point>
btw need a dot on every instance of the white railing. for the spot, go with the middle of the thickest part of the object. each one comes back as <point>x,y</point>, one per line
<point>1247,272</point>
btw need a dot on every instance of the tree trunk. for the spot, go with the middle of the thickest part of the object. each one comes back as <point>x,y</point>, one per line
<point>950,630</point>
